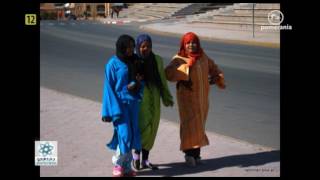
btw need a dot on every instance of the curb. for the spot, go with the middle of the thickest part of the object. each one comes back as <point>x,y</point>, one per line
<point>122,21</point>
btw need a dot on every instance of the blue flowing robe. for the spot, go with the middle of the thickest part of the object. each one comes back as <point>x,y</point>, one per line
<point>121,106</point>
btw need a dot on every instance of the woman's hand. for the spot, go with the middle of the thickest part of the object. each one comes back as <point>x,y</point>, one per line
<point>220,82</point>
<point>134,86</point>
<point>168,103</point>
<point>106,119</point>
<point>139,77</point>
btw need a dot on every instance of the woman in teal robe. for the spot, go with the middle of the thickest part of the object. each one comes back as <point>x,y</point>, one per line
<point>123,90</point>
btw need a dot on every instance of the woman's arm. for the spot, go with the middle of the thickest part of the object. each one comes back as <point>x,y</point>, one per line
<point>215,75</point>
<point>177,70</point>
<point>110,106</point>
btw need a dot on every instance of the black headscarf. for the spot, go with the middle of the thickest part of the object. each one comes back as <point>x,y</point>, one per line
<point>150,67</point>
<point>122,44</point>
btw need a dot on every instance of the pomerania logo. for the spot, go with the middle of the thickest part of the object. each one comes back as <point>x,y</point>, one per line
<point>46,153</point>
<point>275,18</point>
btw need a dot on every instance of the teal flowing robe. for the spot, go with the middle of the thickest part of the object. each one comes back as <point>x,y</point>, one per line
<point>121,106</point>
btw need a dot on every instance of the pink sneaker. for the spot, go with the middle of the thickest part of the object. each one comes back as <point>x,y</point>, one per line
<point>117,171</point>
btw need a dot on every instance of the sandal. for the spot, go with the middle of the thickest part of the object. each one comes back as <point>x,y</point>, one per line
<point>136,164</point>
<point>148,165</point>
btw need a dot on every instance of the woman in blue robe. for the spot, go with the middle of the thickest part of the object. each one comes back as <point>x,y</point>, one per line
<point>123,90</point>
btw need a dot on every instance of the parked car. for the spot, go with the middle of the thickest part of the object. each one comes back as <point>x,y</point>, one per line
<point>71,16</point>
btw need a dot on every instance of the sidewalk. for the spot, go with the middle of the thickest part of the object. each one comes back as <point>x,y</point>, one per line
<point>211,32</point>
<point>76,124</point>
<point>119,20</point>
<point>206,31</point>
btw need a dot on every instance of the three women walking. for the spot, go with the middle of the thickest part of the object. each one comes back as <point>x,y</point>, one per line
<point>134,87</point>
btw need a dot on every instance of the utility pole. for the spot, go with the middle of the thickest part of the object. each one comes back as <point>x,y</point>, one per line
<point>106,9</point>
<point>253,19</point>
<point>94,6</point>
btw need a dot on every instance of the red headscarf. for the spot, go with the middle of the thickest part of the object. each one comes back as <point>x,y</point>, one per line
<point>194,56</point>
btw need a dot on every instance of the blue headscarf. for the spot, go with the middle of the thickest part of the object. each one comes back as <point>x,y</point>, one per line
<point>140,39</point>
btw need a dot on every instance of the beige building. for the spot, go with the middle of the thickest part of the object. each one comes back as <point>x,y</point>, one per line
<point>51,11</point>
<point>90,10</point>
<point>94,9</point>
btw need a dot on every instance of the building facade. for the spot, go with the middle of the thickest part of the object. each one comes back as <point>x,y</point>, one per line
<point>80,10</point>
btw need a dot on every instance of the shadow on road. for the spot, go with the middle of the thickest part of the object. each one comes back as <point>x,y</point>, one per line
<point>244,160</point>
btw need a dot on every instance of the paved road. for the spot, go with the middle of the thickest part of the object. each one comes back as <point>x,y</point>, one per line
<point>73,54</point>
